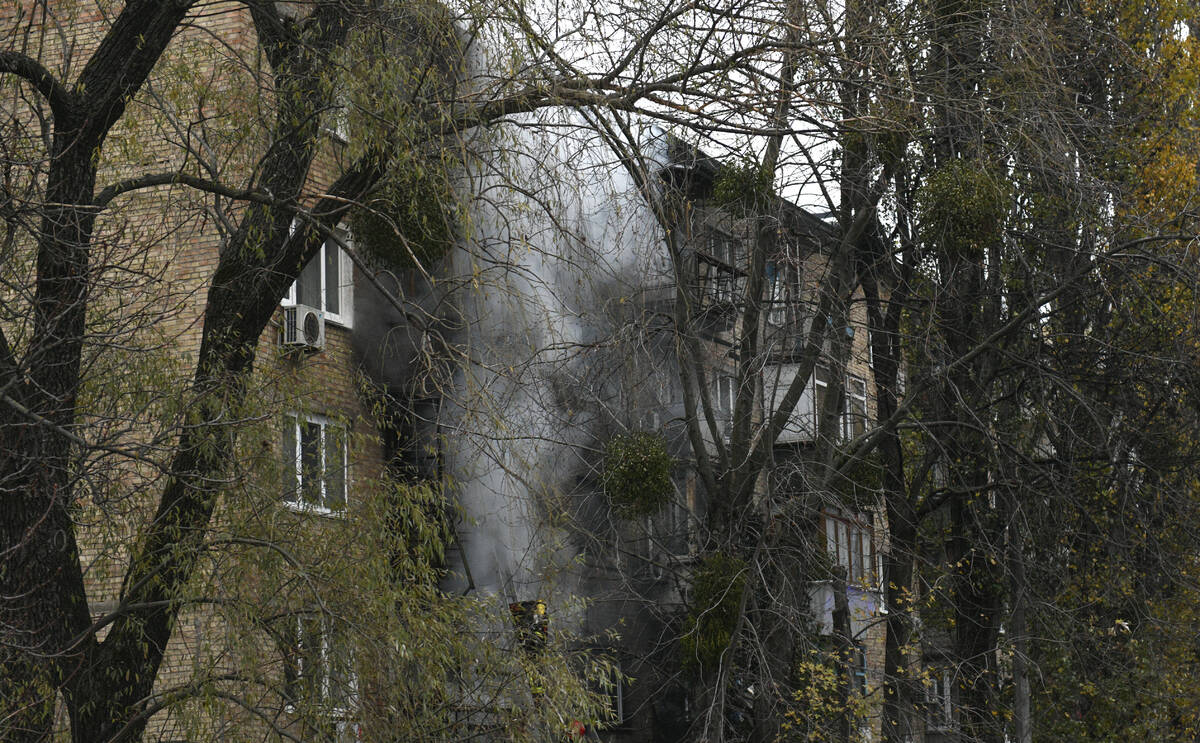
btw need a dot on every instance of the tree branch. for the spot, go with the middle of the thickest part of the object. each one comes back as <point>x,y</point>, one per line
<point>276,35</point>
<point>125,58</point>
<point>59,96</point>
<point>151,180</point>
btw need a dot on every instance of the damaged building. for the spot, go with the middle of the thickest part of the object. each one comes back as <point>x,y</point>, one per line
<point>550,340</point>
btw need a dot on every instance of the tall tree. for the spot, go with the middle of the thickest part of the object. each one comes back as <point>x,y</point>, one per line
<point>273,212</point>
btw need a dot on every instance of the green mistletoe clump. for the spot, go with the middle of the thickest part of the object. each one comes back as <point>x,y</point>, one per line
<point>637,473</point>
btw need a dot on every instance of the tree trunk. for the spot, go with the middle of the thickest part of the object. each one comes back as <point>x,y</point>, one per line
<point>845,654</point>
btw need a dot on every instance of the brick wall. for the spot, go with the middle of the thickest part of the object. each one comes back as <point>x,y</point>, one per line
<point>154,254</point>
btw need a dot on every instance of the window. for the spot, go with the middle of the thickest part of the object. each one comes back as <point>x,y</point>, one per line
<point>337,121</point>
<point>613,687</point>
<point>666,537</point>
<point>314,450</point>
<point>721,249</point>
<point>778,280</point>
<point>939,714</point>
<point>724,395</point>
<point>854,411</point>
<point>672,529</point>
<point>720,278</point>
<point>849,541</point>
<point>720,281</point>
<point>609,685</point>
<point>820,382</point>
<point>854,420</point>
<point>327,283</point>
<point>319,664</point>
<point>858,668</point>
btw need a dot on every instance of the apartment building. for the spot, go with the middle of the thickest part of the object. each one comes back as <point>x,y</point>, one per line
<point>314,455</point>
<point>259,637</point>
<point>552,337</point>
<point>838,517</point>
<point>573,339</point>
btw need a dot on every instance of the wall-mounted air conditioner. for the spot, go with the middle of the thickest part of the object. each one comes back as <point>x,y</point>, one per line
<point>303,328</point>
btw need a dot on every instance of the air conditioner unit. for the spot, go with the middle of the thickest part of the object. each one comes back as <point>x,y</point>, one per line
<point>303,328</point>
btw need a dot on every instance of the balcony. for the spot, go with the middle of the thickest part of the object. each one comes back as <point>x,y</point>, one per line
<point>865,604</point>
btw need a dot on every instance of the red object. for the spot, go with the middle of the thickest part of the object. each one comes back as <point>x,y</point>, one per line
<point>577,729</point>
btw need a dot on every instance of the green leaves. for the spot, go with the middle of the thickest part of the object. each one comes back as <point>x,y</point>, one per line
<point>410,219</point>
<point>742,187</point>
<point>963,205</point>
<point>637,473</point>
<point>716,600</point>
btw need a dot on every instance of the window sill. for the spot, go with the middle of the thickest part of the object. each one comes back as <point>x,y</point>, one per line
<point>340,716</point>
<point>337,136</point>
<point>850,585</point>
<point>310,510</point>
<point>340,321</point>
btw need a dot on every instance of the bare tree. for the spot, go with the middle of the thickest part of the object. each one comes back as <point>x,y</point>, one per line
<point>273,211</point>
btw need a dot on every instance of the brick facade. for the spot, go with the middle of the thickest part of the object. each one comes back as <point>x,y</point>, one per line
<point>154,255</point>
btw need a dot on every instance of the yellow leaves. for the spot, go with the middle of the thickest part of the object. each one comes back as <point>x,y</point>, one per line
<point>1166,183</point>
<point>816,707</point>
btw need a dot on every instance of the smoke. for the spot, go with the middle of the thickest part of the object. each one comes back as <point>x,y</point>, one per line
<point>561,248</point>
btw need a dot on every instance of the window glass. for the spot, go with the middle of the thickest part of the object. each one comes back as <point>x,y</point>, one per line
<point>325,283</point>
<point>613,689</point>
<point>308,286</point>
<point>335,468</point>
<point>832,539</point>
<point>340,681</point>
<point>315,466</point>
<point>319,664</point>
<point>777,280</point>
<point>860,669</point>
<point>333,283</point>
<point>938,706</point>
<point>848,540</point>
<point>727,395</point>
<point>310,463</point>
<point>856,407</point>
<point>303,671</point>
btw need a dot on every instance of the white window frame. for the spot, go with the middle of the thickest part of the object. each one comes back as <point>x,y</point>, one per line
<point>820,383</point>
<point>294,498</point>
<point>612,685</point>
<point>939,706</point>
<point>852,415</point>
<point>850,543</point>
<point>345,314</point>
<point>724,396</point>
<point>324,658</point>
<point>777,315</point>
